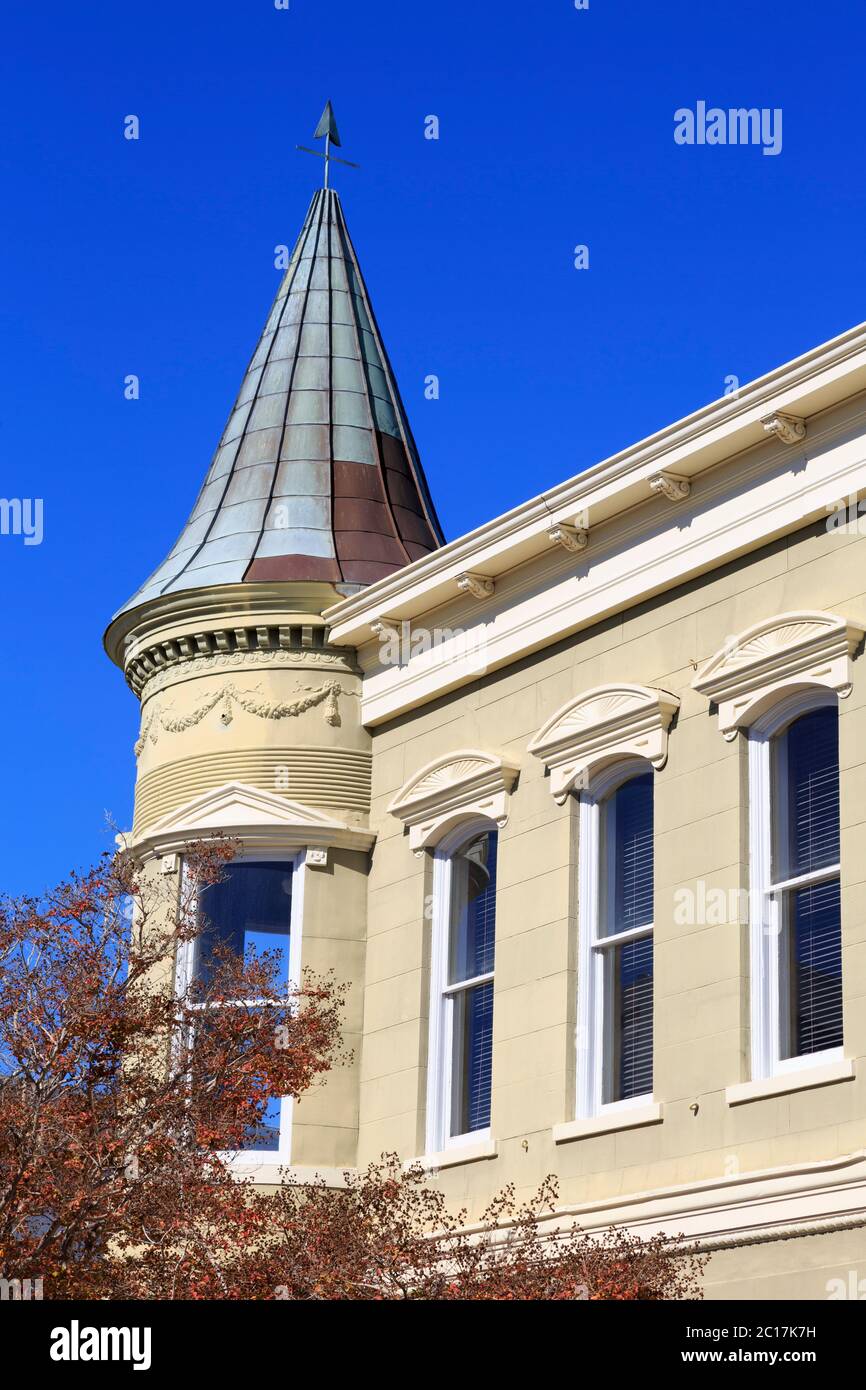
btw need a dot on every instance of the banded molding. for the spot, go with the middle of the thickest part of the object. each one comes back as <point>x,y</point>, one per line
<point>336,780</point>
<point>159,663</point>
<point>453,788</point>
<point>600,727</point>
<point>261,820</point>
<point>784,653</point>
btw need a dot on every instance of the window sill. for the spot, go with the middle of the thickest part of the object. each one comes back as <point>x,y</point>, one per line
<point>460,1153</point>
<point>634,1118</point>
<point>767,1087</point>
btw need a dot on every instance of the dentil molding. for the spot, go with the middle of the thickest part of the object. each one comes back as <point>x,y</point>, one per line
<point>469,782</point>
<point>790,650</point>
<point>599,727</point>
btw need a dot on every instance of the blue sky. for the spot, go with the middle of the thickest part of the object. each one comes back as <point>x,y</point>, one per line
<point>155,257</point>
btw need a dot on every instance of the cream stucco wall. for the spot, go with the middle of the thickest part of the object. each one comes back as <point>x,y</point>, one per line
<point>701,971</point>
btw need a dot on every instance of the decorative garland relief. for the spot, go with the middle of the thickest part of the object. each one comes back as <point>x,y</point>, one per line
<point>162,720</point>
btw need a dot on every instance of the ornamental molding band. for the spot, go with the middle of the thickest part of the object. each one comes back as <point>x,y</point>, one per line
<point>261,820</point>
<point>228,696</point>
<point>454,788</point>
<point>602,726</point>
<point>786,652</point>
<point>160,663</point>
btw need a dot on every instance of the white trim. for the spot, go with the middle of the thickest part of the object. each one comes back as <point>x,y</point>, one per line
<point>747,490</point>
<point>611,1119</point>
<point>767,959</point>
<point>601,726</point>
<point>593,1038</point>
<point>802,1079</point>
<point>821,378</point>
<point>774,657</point>
<point>459,1153</point>
<point>263,821</point>
<point>256,1160</point>
<point>445,793</point>
<point>439,1047</point>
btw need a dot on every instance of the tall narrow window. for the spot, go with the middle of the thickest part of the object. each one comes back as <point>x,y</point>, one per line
<point>805,866</point>
<point>796,916</point>
<point>615,987</point>
<point>461,1044</point>
<point>250,909</point>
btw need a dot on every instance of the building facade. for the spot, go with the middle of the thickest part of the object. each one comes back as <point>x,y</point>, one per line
<point>575,803</point>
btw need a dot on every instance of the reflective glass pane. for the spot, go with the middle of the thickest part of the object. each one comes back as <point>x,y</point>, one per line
<point>814,944</point>
<point>250,907</point>
<point>630,995</point>
<point>807,815</point>
<point>627,856</point>
<point>472,935</point>
<point>472,1058</point>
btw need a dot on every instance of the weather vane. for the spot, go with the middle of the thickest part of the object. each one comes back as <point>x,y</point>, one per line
<point>327,127</point>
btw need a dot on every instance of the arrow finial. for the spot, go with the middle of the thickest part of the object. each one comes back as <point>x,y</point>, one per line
<point>327,126</point>
<point>327,129</point>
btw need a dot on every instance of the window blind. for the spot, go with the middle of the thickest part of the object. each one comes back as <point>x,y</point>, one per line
<point>632,807</point>
<point>634,1018</point>
<point>813,793</point>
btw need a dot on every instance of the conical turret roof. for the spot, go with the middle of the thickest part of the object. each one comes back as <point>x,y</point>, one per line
<point>316,477</point>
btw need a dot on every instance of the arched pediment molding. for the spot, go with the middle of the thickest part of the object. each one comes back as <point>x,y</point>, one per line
<point>458,786</point>
<point>775,657</point>
<point>602,726</point>
<point>261,820</point>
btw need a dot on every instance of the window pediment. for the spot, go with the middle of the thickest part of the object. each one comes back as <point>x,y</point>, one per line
<point>469,782</point>
<point>601,726</point>
<point>785,652</point>
<point>261,819</point>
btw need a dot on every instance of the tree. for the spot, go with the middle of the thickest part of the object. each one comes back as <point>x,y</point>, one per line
<point>123,1091</point>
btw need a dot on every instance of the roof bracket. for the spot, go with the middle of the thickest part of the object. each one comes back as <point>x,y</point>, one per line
<point>478,585</point>
<point>571,538</point>
<point>673,486</point>
<point>789,428</point>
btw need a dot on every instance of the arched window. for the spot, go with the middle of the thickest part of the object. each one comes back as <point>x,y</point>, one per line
<point>615,982</point>
<point>795,874</point>
<point>461,997</point>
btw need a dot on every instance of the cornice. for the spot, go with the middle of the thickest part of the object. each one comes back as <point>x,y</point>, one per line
<point>810,384</point>
<point>789,650</point>
<point>229,606</point>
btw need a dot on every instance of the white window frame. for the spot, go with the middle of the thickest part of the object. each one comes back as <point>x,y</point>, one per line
<point>440,1070</point>
<point>768,962</point>
<point>594,1012</point>
<point>186,959</point>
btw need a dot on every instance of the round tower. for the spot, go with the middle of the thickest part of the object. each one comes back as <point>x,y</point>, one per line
<point>250,720</point>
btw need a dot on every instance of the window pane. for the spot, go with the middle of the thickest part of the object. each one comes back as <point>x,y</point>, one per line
<point>630,991</point>
<point>628,851</point>
<point>815,968</point>
<point>266,1134</point>
<point>250,907</point>
<point>472,1058</point>
<point>473,908</point>
<point>808,827</point>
